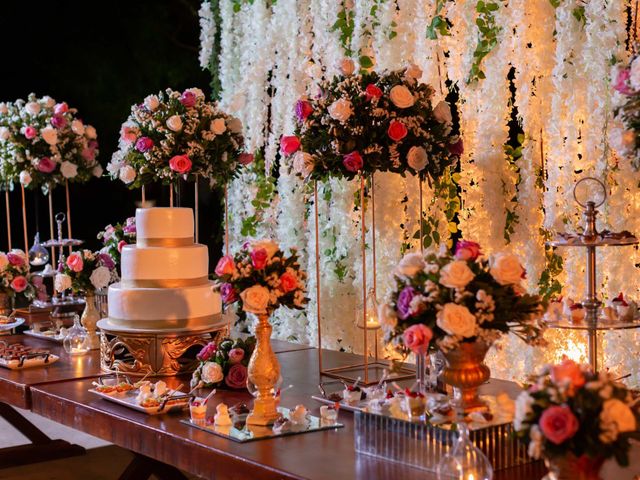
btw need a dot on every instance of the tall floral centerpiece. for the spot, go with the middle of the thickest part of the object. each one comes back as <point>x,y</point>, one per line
<point>224,364</point>
<point>460,304</point>
<point>15,280</point>
<point>84,272</point>
<point>576,419</point>
<point>261,278</point>
<point>115,237</point>
<point>44,143</point>
<point>174,135</point>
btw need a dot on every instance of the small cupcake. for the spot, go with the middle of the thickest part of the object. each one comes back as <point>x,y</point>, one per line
<point>198,410</point>
<point>578,313</point>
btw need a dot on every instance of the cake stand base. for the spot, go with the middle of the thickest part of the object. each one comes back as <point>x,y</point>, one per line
<point>153,353</point>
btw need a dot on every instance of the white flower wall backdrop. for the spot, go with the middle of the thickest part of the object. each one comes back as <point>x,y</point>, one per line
<point>546,65</point>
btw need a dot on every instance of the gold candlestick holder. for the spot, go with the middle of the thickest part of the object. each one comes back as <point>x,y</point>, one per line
<point>264,372</point>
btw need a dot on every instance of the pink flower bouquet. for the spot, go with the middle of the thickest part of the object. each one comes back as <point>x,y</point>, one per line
<point>224,363</point>
<point>114,237</point>
<point>568,410</point>
<point>15,279</point>
<point>85,272</point>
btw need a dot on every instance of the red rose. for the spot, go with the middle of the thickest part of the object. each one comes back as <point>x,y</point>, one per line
<point>19,284</point>
<point>467,250</point>
<point>288,282</point>
<point>121,244</point>
<point>353,161</point>
<point>397,131</point>
<point>417,338</point>
<point>558,424</point>
<point>207,352</point>
<point>180,163</point>
<point>259,258</point>
<point>289,144</point>
<point>144,144</point>
<point>237,376</point>
<point>303,110</point>
<point>245,158</point>
<point>373,92</point>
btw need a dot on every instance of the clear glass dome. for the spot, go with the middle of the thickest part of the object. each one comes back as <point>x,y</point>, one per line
<point>76,341</point>
<point>465,461</point>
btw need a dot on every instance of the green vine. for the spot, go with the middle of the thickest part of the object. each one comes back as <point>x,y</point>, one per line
<point>488,31</point>
<point>439,24</point>
<point>214,61</point>
<point>345,25</point>
<point>549,286</point>
<point>265,193</point>
<point>513,154</point>
<point>578,12</point>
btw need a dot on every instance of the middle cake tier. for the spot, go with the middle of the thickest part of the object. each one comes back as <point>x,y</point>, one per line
<point>164,267</point>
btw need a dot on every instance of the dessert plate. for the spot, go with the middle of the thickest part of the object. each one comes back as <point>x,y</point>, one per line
<point>10,326</point>
<point>128,399</point>
<point>28,361</point>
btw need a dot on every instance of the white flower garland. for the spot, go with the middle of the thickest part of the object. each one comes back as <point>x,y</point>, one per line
<point>207,34</point>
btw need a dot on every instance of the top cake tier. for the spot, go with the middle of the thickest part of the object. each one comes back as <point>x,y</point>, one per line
<point>164,227</point>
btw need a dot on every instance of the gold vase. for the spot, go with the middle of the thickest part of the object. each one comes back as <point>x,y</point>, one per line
<point>90,317</point>
<point>264,372</point>
<point>570,467</point>
<point>465,372</point>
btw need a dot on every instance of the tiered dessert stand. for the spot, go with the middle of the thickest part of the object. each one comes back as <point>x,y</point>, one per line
<point>594,196</point>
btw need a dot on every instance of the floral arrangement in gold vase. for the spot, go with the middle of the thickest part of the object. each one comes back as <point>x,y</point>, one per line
<point>576,419</point>
<point>460,304</point>
<point>261,278</point>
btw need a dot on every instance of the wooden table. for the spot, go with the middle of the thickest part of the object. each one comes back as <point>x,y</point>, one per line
<point>327,455</point>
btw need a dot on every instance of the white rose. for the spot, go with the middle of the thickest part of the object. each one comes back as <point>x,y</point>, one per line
<point>113,167</point>
<point>97,171</point>
<point>77,127</point>
<point>5,133</point>
<point>255,299</point>
<point>127,174</point>
<point>174,123</point>
<point>90,132</point>
<point>100,277</point>
<point>3,108</point>
<point>410,264</point>
<point>616,417</point>
<point>196,91</point>
<point>417,158</point>
<point>456,320</point>
<point>32,108</point>
<point>347,67</point>
<point>48,101</point>
<point>442,113</point>
<point>524,404</point>
<point>387,315</point>
<point>401,97</point>
<point>235,125</point>
<point>218,126</point>
<point>68,169</point>
<point>62,282</point>
<point>634,77</point>
<point>25,178</point>
<point>535,445</point>
<point>3,261</point>
<point>212,373</point>
<point>269,245</point>
<point>506,269</point>
<point>341,110</point>
<point>151,102</point>
<point>50,135</point>
<point>456,274</point>
<point>622,140</point>
<point>303,163</point>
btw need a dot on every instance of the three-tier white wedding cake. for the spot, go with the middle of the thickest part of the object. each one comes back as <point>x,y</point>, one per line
<point>164,282</point>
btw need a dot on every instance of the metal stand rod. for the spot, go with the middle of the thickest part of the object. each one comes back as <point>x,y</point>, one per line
<point>171,195</point>
<point>363,244</point>
<point>226,219</point>
<point>421,217</point>
<point>144,200</point>
<point>373,239</point>
<point>66,188</point>
<point>317,252</point>
<point>196,210</point>
<point>592,306</point>
<point>51,231</point>
<point>24,221</point>
<point>8,209</point>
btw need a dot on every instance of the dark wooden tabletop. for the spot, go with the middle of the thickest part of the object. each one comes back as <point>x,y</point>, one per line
<point>327,455</point>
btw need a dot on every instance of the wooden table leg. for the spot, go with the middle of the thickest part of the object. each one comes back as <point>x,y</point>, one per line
<point>42,448</point>
<point>142,467</point>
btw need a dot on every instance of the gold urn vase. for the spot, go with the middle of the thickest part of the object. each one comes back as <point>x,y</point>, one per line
<point>264,373</point>
<point>465,371</point>
<point>570,467</point>
<point>90,317</point>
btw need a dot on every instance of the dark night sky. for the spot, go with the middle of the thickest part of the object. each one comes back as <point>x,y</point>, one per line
<point>100,57</point>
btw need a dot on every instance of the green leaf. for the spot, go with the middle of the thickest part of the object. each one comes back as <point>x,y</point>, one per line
<point>365,61</point>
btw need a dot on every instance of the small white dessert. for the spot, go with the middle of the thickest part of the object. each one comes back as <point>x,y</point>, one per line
<point>554,311</point>
<point>222,418</point>
<point>282,425</point>
<point>328,413</point>
<point>198,410</point>
<point>299,414</point>
<point>160,388</point>
<point>144,393</point>
<point>609,312</point>
<point>352,396</point>
<point>567,303</point>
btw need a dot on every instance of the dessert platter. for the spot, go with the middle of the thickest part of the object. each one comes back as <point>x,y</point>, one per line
<point>9,322</point>
<point>52,331</point>
<point>17,356</point>
<point>144,396</point>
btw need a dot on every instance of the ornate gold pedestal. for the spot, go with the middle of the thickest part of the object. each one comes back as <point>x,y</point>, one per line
<point>157,353</point>
<point>465,372</point>
<point>264,372</point>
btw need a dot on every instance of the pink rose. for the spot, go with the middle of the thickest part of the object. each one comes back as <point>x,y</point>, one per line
<point>417,337</point>
<point>46,165</point>
<point>58,121</point>
<point>467,250</point>
<point>245,158</point>
<point>121,244</point>
<point>568,373</point>
<point>228,294</point>
<point>456,148</point>
<point>622,82</point>
<point>61,108</point>
<point>88,153</point>
<point>180,163</point>
<point>288,282</point>
<point>75,262</point>
<point>207,352</point>
<point>352,162</point>
<point>236,355</point>
<point>144,144</point>
<point>396,131</point>
<point>372,91</point>
<point>303,110</point>
<point>19,284</point>
<point>259,258</point>
<point>289,144</point>
<point>15,259</point>
<point>129,134</point>
<point>225,266</point>
<point>188,99</point>
<point>237,376</point>
<point>558,424</point>
<point>30,132</point>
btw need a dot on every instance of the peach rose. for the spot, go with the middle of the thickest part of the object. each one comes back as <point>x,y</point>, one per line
<point>225,266</point>
<point>75,262</point>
